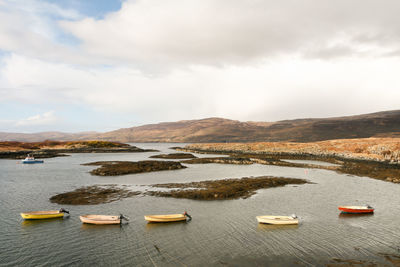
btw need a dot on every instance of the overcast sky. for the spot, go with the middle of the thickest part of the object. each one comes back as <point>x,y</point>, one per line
<point>72,65</point>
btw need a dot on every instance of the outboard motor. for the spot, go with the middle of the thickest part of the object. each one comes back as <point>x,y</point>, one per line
<point>187,215</point>
<point>294,216</point>
<point>63,210</point>
<point>122,217</point>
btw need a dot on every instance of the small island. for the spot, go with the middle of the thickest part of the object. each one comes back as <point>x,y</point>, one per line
<point>222,189</point>
<point>113,168</point>
<point>92,195</point>
<point>174,156</point>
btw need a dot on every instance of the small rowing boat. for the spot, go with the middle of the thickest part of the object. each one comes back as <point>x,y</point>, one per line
<point>356,209</point>
<point>45,214</point>
<point>168,217</point>
<point>102,219</point>
<point>271,219</point>
<point>31,160</point>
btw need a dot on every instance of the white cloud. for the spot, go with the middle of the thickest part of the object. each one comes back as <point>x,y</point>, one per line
<point>162,60</point>
<point>157,34</point>
<point>46,118</point>
<point>288,88</point>
<point>223,32</point>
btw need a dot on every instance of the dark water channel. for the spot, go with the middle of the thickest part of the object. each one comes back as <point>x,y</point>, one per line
<point>222,233</point>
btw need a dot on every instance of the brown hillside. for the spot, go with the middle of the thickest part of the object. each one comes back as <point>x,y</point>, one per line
<point>381,124</point>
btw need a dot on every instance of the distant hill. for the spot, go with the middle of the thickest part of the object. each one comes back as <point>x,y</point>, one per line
<point>380,124</point>
<point>39,137</point>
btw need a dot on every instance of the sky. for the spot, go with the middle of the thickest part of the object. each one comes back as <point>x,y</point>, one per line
<point>101,65</point>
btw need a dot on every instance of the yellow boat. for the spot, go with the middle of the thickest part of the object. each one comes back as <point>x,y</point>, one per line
<point>167,217</point>
<point>45,214</point>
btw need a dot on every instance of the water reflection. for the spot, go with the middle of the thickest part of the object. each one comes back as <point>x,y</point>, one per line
<point>100,227</point>
<point>262,227</point>
<point>165,225</point>
<point>29,223</point>
<point>354,215</point>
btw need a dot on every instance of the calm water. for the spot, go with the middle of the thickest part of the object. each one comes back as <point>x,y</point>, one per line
<point>221,232</point>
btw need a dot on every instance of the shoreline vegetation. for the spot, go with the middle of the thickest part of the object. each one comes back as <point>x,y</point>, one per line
<point>225,189</point>
<point>114,168</point>
<point>377,158</point>
<point>51,149</point>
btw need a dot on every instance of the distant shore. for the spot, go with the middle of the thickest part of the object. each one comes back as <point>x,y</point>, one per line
<point>50,149</point>
<point>377,158</point>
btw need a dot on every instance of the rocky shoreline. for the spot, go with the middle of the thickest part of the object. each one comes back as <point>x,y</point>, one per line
<point>378,169</point>
<point>370,149</point>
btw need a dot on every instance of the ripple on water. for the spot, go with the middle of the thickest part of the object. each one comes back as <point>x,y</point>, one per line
<point>221,232</point>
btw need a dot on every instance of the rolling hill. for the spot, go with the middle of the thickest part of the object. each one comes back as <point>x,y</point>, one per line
<point>380,124</point>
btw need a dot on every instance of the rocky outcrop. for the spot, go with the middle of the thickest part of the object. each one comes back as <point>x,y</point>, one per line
<point>222,189</point>
<point>92,195</point>
<point>114,168</point>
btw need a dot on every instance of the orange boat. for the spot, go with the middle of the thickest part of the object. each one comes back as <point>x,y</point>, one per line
<point>356,209</point>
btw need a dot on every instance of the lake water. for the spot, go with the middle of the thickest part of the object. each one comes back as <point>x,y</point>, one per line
<point>222,233</point>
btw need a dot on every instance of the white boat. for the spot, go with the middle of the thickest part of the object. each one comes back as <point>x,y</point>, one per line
<point>272,219</point>
<point>30,160</point>
<point>102,219</point>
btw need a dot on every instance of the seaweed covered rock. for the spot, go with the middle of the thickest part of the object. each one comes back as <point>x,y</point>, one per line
<point>92,195</point>
<point>113,168</point>
<point>222,189</point>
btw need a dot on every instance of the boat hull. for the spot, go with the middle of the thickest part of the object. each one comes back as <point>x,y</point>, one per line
<point>37,215</point>
<point>165,218</point>
<point>32,161</point>
<point>100,219</point>
<point>280,220</point>
<point>355,209</point>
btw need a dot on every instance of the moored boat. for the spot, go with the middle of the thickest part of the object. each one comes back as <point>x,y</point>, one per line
<point>31,160</point>
<point>102,219</point>
<point>45,214</point>
<point>168,217</point>
<point>272,219</point>
<point>356,209</point>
